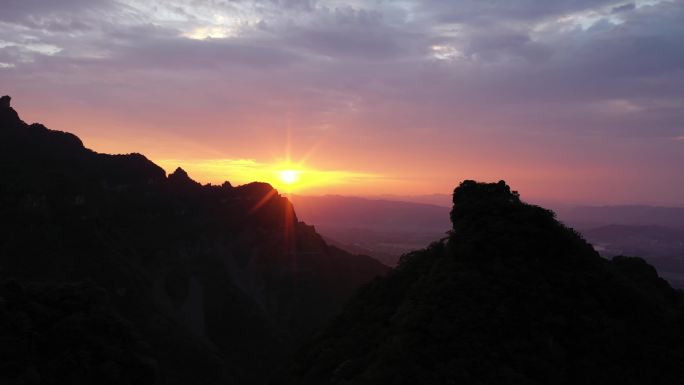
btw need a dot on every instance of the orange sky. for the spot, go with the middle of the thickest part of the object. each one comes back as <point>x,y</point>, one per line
<point>331,163</point>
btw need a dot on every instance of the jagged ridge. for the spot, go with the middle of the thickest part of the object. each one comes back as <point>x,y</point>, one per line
<point>221,281</point>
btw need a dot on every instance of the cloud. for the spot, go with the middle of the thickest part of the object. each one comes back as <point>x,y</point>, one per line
<point>352,74</point>
<point>623,8</point>
<point>32,10</point>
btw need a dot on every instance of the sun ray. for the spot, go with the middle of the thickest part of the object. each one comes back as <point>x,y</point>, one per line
<point>262,201</point>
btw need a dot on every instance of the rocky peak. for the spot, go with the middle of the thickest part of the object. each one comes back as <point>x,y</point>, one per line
<point>179,174</point>
<point>470,191</point>
<point>475,200</point>
<point>8,117</point>
<point>180,179</point>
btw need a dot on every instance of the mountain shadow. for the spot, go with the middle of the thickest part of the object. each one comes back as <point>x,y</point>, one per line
<point>511,296</point>
<point>112,272</point>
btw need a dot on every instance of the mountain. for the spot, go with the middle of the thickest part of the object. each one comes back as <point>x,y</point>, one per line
<point>112,272</point>
<point>661,246</point>
<point>386,229</point>
<point>512,296</point>
<point>371,214</point>
<point>443,200</point>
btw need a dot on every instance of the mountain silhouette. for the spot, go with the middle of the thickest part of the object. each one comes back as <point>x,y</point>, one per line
<point>511,296</point>
<point>112,272</point>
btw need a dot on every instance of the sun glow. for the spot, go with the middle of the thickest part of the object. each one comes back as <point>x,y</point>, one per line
<point>289,176</point>
<point>286,176</point>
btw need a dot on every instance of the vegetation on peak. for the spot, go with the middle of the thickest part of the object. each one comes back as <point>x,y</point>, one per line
<point>5,102</point>
<point>511,296</point>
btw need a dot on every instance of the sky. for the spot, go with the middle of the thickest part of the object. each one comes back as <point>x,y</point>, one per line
<point>571,101</point>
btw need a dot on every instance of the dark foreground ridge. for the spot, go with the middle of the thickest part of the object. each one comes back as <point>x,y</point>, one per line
<point>510,297</point>
<point>113,273</point>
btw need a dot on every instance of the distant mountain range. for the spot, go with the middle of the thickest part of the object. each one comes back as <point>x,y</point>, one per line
<point>383,229</point>
<point>386,229</point>
<point>372,213</point>
<point>443,200</point>
<point>582,215</point>
<point>512,296</point>
<point>635,215</point>
<point>112,272</point>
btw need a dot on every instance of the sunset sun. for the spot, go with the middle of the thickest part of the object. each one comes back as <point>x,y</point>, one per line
<point>289,176</point>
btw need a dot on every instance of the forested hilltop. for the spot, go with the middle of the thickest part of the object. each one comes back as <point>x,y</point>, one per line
<point>511,296</point>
